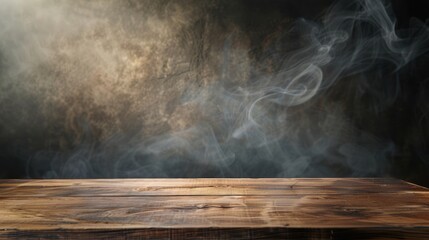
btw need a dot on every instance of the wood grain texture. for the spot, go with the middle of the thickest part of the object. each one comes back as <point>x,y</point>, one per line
<point>204,187</point>
<point>331,208</point>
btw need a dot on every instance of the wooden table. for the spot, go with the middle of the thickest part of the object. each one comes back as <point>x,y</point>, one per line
<point>328,208</point>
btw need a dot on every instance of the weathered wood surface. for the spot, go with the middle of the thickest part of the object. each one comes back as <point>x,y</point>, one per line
<point>203,187</point>
<point>213,209</point>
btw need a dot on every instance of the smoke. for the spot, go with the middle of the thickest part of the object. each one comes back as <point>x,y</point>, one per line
<point>181,89</point>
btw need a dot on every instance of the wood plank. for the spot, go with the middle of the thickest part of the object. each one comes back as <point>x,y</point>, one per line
<point>203,187</point>
<point>223,234</point>
<point>300,211</point>
<point>213,209</point>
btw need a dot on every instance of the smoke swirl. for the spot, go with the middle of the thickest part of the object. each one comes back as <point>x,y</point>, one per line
<point>170,89</point>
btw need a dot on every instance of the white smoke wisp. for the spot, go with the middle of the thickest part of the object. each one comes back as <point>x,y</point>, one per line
<point>209,109</point>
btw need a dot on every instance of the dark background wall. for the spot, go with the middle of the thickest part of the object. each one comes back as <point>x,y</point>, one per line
<point>101,90</point>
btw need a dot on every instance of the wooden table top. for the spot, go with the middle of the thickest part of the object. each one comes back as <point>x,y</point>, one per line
<point>133,206</point>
